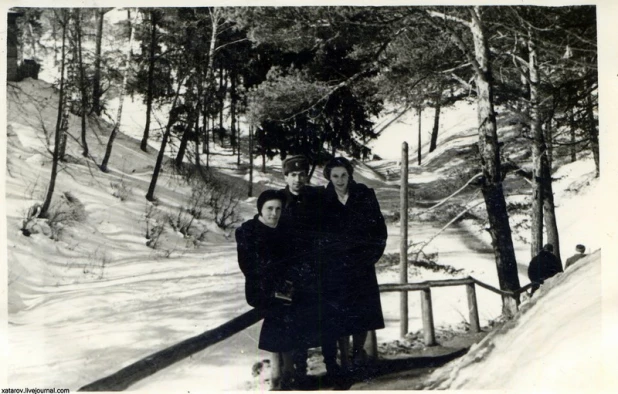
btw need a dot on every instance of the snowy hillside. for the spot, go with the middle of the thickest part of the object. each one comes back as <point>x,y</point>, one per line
<point>553,344</point>
<point>91,296</point>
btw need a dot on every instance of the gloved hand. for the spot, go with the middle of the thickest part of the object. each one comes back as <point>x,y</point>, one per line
<point>285,292</point>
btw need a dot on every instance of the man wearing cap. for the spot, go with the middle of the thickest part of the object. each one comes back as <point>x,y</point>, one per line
<point>301,220</point>
<point>580,249</point>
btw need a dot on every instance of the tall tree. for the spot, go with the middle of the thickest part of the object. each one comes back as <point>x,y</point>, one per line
<point>83,88</point>
<point>546,69</point>
<point>153,17</point>
<point>121,94</point>
<point>97,89</point>
<point>433,143</point>
<point>419,112</point>
<point>479,57</point>
<point>539,151</point>
<point>314,85</point>
<point>62,15</point>
<point>173,117</point>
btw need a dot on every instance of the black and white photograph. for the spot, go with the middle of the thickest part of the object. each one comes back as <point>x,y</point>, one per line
<point>283,196</point>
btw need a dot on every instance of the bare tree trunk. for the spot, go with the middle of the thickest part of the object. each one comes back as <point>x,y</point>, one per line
<point>493,193</point>
<point>149,92</point>
<point>593,133</point>
<point>549,210</point>
<point>210,80</point>
<point>221,104</point>
<point>62,109</point>
<point>123,88</point>
<point>239,146</point>
<point>63,135</point>
<point>96,80</point>
<point>436,127</point>
<point>198,111</point>
<point>573,146</point>
<point>419,111</point>
<point>214,129</point>
<point>196,137</point>
<point>233,99</point>
<point>166,136</point>
<point>205,131</point>
<point>250,193</point>
<point>263,162</point>
<point>82,78</point>
<point>549,141</point>
<point>182,148</point>
<point>538,153</point>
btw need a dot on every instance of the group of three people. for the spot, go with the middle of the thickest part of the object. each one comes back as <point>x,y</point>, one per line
<point>308,257</point>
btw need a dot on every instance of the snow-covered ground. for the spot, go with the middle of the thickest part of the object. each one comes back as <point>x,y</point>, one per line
<point>98,299</point>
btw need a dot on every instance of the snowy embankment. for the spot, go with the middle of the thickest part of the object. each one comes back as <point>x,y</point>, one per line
<point>554,343</point>
<point>97,298</point>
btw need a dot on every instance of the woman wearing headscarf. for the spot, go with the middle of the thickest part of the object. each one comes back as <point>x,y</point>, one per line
<point>356,240</point>
<point>269,274</point>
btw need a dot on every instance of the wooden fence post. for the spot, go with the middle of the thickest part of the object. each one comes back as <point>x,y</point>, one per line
<point>473,309</point>
<point>403,246</point>
<point>428,329</point>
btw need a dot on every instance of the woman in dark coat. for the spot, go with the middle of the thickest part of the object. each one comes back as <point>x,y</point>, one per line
<point>262,256</point>
<point>356,240</point>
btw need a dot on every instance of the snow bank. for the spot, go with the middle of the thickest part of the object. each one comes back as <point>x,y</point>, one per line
<point>554,343</point>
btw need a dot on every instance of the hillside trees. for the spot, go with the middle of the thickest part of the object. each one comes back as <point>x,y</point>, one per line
<point>154,70</point>
<point>83,87</point>
<point>191,47</point>
<point>62,16</point>
<point>536,51</point>
<point>125,76</point>
<point>467,28</point>
<point>315,99</point>
<point>97,84</point>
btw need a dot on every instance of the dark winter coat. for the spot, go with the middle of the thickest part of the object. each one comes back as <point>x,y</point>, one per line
<point>355,242</point>
<point>543,266</point>
<point>301,221</point>
<point>573,259</point>
<point>262,259</point>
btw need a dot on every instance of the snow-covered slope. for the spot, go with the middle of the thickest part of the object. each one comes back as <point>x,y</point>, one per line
<point>554,343</point>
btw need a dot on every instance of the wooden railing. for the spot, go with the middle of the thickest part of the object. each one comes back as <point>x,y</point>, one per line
<point>149,365</point>
<point>426,304</point>
<point>166,357</point>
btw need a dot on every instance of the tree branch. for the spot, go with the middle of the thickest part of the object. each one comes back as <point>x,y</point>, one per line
<point>444,16</point>
<point>458,40</point>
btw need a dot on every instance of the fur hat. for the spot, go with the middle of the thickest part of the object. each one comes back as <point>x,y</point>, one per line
<point>338,162</point>
<point>295,163</point>
<point>268,195</point>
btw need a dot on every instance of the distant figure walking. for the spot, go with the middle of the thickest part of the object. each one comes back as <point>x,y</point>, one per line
<point>543,266</point>
<point>580,249</point>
